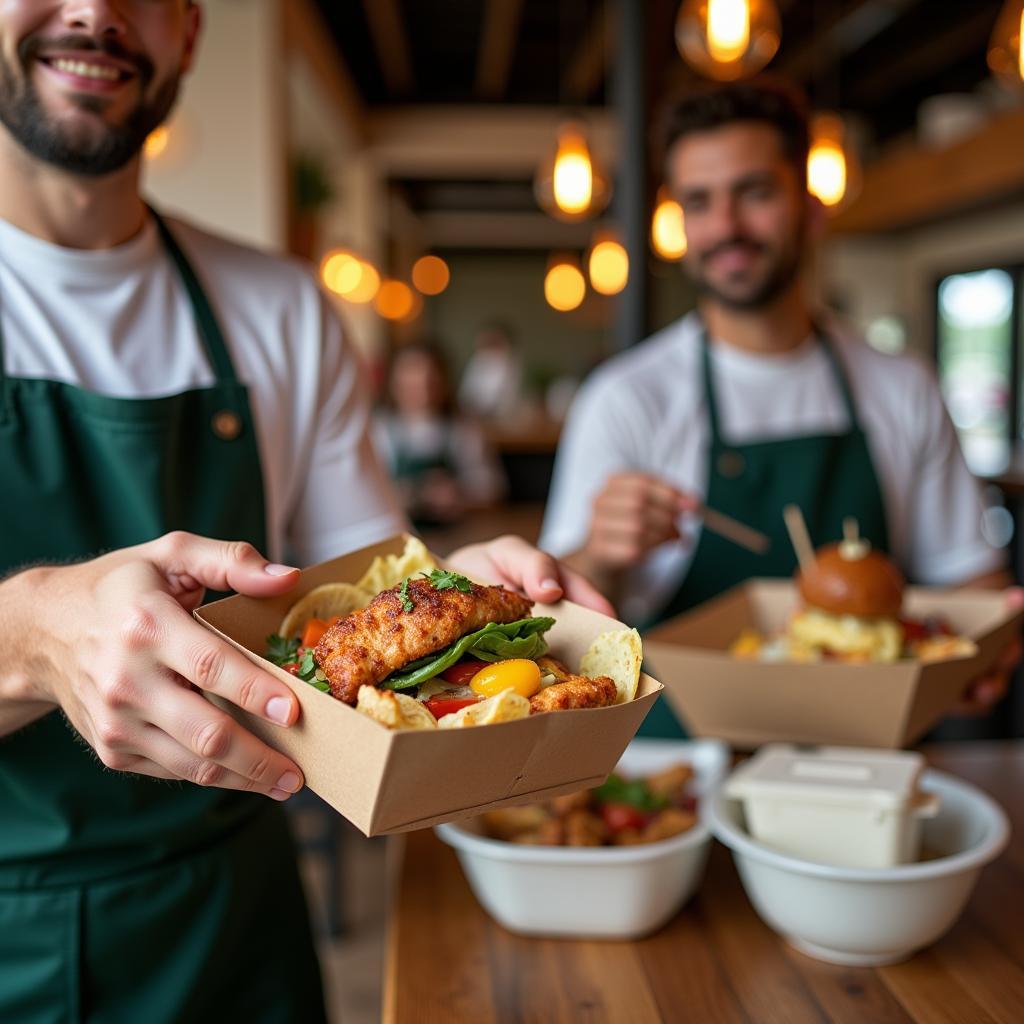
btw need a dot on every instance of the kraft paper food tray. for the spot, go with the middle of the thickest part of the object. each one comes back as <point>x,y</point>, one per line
<point>752,702</point>
<point>385,781</point>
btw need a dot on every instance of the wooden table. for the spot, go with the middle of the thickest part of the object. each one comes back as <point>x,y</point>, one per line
<point>448,962</point>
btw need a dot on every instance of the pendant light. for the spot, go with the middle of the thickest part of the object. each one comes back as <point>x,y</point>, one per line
<point>569,185</point>
<point>1005,52</point>
<point>728,39</point>
<point>668,232</point>
<point>564,285</point>
<point>607,264</point>
<point>430,275</point>
<point>833,170</point>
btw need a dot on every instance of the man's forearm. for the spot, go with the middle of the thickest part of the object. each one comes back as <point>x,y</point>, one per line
<point>21,700</point>
<point>999,579</point>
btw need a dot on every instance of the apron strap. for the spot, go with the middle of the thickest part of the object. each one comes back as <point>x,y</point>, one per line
<point>206,320</point>
<point>838,372</point>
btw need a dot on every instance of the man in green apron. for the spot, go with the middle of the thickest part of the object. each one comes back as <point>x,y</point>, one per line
<point>154,380</point>
<point>751,403</point>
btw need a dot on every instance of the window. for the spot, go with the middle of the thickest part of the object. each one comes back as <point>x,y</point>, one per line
<point>977,350</point>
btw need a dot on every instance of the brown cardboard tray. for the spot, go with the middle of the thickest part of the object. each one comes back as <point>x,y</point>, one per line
<point>385,781</point>
<point>752,702</point>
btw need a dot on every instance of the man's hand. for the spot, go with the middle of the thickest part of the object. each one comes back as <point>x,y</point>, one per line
<point>989,689</point>
<point>633,514</point>
<point>513,563</point>
<point>112,641</point>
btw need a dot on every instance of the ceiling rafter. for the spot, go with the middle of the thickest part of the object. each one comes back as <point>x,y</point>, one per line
<point>391,43</point>
<point>502,20</point>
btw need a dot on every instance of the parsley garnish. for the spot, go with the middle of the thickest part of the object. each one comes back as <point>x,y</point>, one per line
<point>634,792</point>
<point>280,650</point>
<point>403,594</point>
<point>446,579</point>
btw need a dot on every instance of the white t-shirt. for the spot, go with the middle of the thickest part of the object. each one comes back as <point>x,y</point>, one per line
<point>645,410</point>
<point>118,322</point>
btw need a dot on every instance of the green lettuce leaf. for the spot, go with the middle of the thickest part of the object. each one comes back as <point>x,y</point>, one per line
<point>495,642</point>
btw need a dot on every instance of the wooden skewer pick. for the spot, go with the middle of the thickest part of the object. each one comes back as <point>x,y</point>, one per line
<point>799,536</point>
<point>851,530</point>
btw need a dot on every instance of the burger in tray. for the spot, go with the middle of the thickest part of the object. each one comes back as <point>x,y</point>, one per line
<point>852,599</point>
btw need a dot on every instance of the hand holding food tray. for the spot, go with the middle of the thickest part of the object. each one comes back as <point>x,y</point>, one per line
<point>374,764</point>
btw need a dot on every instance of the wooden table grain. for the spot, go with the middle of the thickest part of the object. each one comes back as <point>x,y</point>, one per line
<point>448,962</point>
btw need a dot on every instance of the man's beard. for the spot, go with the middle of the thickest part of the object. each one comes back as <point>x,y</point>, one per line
<point>91,153</point>
<point>781,274</point>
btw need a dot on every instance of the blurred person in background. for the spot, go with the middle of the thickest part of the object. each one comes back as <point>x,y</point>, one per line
<point>755,401</point>
<point>492,381</point>
<point>439,460</point>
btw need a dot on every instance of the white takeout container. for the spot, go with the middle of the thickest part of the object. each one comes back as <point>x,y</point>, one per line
<point>616,892</point>
<point>870,916</point>
<point>838,805</point>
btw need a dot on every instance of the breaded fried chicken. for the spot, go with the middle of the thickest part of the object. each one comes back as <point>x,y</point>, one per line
<point>574,692</point>
<point>365,647</point>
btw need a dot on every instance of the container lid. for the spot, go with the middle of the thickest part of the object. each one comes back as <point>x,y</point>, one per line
<point>834,775</point>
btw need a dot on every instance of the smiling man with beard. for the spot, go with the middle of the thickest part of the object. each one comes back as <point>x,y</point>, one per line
<point>755,401</point>
<point>171,406</point>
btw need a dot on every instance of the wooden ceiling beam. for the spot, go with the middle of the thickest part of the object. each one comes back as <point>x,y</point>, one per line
<point>391,43</point>
<point>499,142</point>
<point>589,64</point>
<point>918,185</point>
<point>498,38</point>
<point>306,33</point>
<point>838,35</point>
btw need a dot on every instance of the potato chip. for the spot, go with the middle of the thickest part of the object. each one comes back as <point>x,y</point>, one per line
<point>619,655</point>
<point>323,602</point>
<point>394,710</point>
<point>388,571</point>
<point>506,706</point>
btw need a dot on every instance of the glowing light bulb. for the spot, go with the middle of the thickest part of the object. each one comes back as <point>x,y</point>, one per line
<point>564,286</point>
<point>361,284</point>
<point>574,174</point>
<point>430,275</point>
<point>728,39</point>
<point>608,266</point>
<point>156,142</point>
<point>340,271</point>
<point>569,185</point>
<point>728,29</point>
<point>395,300</point>
<point>831,165</point>
<point>1005,52</point>
<point>826,172</point>
<point>668,229</point>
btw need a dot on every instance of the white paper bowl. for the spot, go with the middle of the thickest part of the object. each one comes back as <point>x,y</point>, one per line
<point>870,916</point>
<point>603,892</point>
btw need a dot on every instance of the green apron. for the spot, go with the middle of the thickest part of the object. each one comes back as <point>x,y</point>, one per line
<point>125,898</point>
<point>829,476</point>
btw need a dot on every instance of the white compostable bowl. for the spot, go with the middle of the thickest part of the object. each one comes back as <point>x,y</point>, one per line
<point>870,916</point>
<point>614,892</point>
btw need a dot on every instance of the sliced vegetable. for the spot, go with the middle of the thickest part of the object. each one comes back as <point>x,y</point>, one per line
<point>622,816</point>
<point>462,672</point>
<point>519,674</point>
<point>441,706</point>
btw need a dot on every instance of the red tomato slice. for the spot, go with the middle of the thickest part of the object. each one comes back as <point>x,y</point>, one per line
<point>292,667</point>
<point>619,816</point>
<point>461,672</point>
<point>441,706</point>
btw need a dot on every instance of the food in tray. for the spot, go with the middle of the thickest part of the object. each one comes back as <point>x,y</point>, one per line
<point>852,600</point>
<point>415,646</point>
<point>621,812</point>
